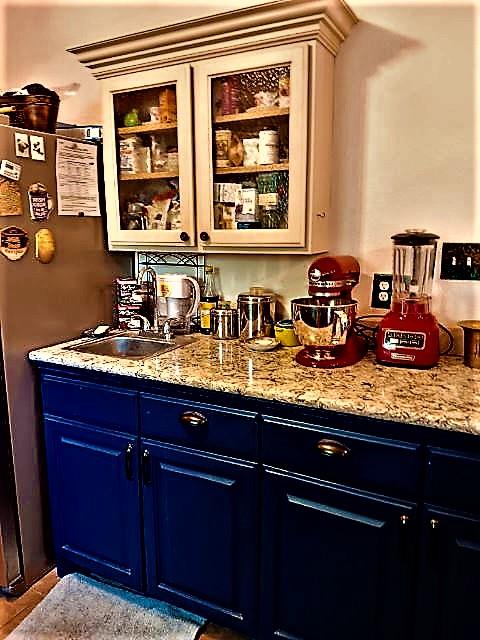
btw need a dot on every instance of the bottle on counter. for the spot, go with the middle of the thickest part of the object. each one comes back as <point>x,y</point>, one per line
<point>208,299</point>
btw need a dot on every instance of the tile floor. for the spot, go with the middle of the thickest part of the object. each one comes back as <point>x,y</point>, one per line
<point>14,610</point>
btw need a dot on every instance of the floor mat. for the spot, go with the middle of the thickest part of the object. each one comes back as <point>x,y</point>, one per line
<point>79,608</point>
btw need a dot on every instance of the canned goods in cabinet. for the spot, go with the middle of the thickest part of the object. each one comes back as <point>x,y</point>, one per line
<point>268,146</point>
<point>223,139</point>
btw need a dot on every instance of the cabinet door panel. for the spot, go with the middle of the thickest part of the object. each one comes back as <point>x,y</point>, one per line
<point>95,501</point>
<point>448,601</point>
<point>251,130</point>
<point>201,533</point>
<point>334,562</point>
<point>148,165</point>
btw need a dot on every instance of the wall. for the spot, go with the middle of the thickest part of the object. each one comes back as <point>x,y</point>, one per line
<point>404,123</point>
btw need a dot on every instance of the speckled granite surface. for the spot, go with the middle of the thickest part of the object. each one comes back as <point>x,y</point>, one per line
<point>446,397</point>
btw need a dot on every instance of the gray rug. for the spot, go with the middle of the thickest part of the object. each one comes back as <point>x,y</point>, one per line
<point>79,608</point>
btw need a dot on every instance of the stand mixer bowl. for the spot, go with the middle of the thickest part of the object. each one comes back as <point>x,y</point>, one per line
<point>322,328</point>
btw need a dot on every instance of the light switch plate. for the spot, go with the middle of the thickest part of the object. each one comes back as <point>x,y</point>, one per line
<point>460,261</point>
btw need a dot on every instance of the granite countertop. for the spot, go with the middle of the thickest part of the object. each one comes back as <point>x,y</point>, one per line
<point>446,397</point>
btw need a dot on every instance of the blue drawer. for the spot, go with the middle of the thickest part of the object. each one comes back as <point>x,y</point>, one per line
<point>200,426</point>
<point>453,479</point>
<point>341,457</point>
<point>98,404</point>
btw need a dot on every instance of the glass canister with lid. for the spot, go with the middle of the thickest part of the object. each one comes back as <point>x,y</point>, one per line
<point>256,313</point>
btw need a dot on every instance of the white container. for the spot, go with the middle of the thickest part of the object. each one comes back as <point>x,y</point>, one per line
<point>250,152</point>
<point>268,146</point>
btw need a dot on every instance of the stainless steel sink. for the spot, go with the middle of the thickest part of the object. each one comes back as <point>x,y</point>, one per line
<point>131,347</point>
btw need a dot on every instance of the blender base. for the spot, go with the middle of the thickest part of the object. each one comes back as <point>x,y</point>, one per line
<point>353,351</point>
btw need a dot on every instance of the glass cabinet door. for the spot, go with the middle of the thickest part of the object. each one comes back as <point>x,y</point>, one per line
<point>148,159</point>
<point>251,120</point>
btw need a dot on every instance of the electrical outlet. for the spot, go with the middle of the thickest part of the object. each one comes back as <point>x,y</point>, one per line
<point>381,290</point>
<point>460,261</point>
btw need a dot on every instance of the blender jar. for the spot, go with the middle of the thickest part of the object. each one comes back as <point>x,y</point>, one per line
<point>413,265</point>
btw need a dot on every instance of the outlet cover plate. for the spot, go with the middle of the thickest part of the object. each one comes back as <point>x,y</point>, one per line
<point>460,261</point>
<point>381,291</point>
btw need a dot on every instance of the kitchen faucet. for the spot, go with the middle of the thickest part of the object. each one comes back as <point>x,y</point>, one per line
<point>152,276</point>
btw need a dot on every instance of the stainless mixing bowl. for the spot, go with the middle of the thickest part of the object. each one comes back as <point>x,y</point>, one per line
<point>322,326</point>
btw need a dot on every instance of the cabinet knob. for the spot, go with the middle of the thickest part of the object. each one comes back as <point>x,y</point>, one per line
<point>332,448</point>
<point>404,520</point>
<point>434,524</point>
<point>204,237</point>
<point>184,237</point>
<point>193,419</point>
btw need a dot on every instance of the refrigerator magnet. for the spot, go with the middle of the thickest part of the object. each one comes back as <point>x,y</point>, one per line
<point>39,202</point>
<point>10,170</point>
<point>44,246</point>
<point>13,242</point>
<point>37,148</point>
<point>10,198</point>
<point>22,145</point>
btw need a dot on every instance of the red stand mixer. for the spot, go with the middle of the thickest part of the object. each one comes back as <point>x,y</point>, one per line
<point>324,322</point>
<point>408,335</point>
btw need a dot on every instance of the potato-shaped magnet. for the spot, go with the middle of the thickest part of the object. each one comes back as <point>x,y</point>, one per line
<point>44,246</point>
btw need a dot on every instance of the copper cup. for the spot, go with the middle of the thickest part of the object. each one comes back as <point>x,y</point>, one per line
<point>471,343</point>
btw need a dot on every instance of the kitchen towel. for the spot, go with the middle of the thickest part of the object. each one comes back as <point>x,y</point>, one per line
<point>80,608</point>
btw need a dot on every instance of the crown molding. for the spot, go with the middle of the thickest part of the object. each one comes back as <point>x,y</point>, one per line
<point>273,24</point>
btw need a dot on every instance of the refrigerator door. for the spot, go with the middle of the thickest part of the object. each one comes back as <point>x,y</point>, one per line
<point>41,304</point>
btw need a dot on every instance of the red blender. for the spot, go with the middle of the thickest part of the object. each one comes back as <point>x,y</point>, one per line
<point>409,335</point>
<point>324,322</point>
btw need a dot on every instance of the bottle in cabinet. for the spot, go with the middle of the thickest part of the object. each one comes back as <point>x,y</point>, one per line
<point>208,299</point>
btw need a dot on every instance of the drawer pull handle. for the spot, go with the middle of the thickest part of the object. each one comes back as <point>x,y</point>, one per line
<point>146,470</point>
<point>332,448</point>
<point>193,419</point>
<point>129,461</point>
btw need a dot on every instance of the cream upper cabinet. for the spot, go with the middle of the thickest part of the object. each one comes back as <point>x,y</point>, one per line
<point>148,164</point>
<point>218,131</point>
<point>251,137</point>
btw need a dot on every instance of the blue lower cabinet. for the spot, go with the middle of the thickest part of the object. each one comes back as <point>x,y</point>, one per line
<point>449,577</point>
<point>94,495</point>
<point>201,527</point>
<point>337,564</point>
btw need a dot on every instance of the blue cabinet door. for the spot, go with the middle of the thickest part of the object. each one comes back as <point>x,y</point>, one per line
<point>201,527</point>
<point>450,577</point>
<point>95,503</point>
<point>336,563</point>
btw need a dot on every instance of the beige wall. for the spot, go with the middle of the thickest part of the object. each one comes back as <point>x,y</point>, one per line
<point>404,123</point>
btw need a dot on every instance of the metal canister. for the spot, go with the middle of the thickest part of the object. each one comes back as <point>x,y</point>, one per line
<point>224,324</point>
<point>471,343</point>
<point>256,314</point>
<point>268,146</point>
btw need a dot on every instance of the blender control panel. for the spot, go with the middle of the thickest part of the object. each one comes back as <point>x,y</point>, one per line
<point>407,339</point>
